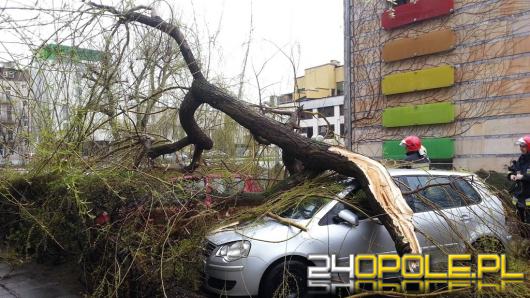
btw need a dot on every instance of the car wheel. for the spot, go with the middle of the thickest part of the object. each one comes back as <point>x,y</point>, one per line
<point>488,245</point>
<point>285,279</point>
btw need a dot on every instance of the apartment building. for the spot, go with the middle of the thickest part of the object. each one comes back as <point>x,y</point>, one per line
<point>454,72</point>
<point>15,121</point>
<point>61,88</point>
<point>320,93</point>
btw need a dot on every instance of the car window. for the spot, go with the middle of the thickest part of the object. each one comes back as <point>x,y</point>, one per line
<point>360,201</point>
<point>306,209</point>
<point>434,192</point>
<point>360,205</point>
<point>403,184</point>
<point>439,193</point>
<point>469,195</point>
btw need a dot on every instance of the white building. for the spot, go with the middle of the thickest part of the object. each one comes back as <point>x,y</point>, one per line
<point>324,117</point>
<point>62,89</point>
<point>15,122</point>
<point>320,93</point>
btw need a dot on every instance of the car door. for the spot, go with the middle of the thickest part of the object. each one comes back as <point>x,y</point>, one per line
<point>438,217</point>
<point>343,239</point>
<point>478,216</point>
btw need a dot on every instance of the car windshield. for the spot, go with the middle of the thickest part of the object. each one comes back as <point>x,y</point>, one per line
<point>305,209</point>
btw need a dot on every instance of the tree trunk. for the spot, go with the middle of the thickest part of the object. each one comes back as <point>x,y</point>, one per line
<point>386,197</point>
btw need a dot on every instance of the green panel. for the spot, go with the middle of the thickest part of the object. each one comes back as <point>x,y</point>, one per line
<point>54,51</point>
<point>431,78</point>
<point>433,113</point>
<point>437,148</point>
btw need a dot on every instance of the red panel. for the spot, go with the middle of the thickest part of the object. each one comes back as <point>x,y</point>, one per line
<point>414,12</point>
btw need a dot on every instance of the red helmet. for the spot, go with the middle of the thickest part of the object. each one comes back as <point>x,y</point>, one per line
<point>524,141</point>
<point>413,143</point>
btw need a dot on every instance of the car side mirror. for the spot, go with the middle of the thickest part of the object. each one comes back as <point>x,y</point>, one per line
<point>349,217</point>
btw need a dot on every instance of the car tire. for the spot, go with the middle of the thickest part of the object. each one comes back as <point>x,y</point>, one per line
<point>485,245</point>
<point>285,279</point>
<point>489,245</point>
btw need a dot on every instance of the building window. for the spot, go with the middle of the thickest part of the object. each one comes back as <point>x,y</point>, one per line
<point>65,113</point>
<point>342,130</point>
<point>8,74</point>
<point>341,110</point>
<point>326,112</point>
<point>9,111</point>
<point>340,88</point>
<point>307,114</point>
<point>327,131</point>
<point>25,121</point>
<point>441,164</point>
<point>398,2</point>
<point>285,98</point>
<point>308,131</point>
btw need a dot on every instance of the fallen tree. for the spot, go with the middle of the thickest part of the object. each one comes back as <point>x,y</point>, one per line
<point>300,154</point>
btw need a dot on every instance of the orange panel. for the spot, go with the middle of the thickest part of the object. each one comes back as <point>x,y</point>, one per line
<point>430,43</point>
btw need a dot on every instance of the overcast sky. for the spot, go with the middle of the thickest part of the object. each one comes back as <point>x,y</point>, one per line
<point>311,31</point>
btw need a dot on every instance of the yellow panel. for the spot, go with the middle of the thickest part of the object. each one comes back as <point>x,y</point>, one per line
<point>425,79</point>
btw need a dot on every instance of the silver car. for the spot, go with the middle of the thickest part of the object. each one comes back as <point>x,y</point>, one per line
<point>456,211</point>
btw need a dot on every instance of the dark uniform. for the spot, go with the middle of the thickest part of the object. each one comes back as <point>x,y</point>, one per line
<point>522,187</point>
<point>414,160</point>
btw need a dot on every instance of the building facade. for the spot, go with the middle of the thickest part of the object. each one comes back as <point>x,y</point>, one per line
<point>62,90</point>
<point>320,93</point>
<point>454,72</point>
<point>15,122</point>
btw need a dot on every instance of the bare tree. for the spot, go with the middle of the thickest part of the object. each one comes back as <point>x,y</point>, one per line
<point>314,156</point>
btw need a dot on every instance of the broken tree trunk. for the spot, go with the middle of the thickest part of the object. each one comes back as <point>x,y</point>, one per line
<point>314,156</point>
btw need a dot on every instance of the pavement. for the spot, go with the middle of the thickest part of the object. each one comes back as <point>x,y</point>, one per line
<point>38,281</point>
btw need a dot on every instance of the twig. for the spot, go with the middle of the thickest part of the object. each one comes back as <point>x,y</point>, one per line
<point>286,221</point>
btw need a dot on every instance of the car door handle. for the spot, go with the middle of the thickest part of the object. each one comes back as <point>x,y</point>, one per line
<point>465,218</point>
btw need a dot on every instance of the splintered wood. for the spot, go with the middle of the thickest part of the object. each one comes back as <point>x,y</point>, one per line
<point>387,195</point>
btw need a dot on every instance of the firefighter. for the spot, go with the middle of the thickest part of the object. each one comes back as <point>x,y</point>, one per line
<point>520,174</point>
<point>416,157</point>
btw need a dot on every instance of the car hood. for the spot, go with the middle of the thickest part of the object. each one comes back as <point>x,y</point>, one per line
<point>268,230</point>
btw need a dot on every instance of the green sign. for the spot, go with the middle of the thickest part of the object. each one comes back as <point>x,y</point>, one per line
<point>55,51</point>
<point>437,148</point>
<point>434,113</point>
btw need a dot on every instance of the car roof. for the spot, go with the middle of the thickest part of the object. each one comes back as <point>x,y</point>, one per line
<point>420,172</point>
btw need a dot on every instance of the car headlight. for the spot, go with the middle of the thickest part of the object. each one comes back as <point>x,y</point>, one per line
<point>234,250</point>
